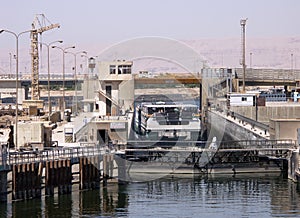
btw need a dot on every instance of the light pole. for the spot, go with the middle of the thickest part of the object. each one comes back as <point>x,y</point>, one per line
<point>243,62</point>
<point>75,77</point>
<point>63,52</point>
<point>48,56</point>
<point>292,62</point>
<point>9,64</point>
<point>17,74</point>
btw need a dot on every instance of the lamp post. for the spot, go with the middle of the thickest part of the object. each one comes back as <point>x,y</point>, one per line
<point>292,62</point>
<point>9,64</point>
<point>17,74</point>
<point>63,52</point>
<point>48,56</point>
<point>75,77</point>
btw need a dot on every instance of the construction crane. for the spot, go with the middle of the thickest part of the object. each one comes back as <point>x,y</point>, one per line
<point>39,25</point>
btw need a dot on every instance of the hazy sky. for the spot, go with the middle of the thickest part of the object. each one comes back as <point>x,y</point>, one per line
<point>111,21</point>
<point>94,24</point>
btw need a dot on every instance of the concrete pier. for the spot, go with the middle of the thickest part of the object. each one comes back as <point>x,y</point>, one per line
<point>293,166</point>
<point>108,167</point>
<point>89,171</point>
<point>122,173</point>
<point>58,174</point>
<point>26,181</point>
<point>3,186</point>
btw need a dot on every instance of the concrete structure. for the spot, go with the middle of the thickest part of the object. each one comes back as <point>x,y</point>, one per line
<point>284,128</point>
<point>229,128</point>
<point>116,88</point>
<point>270,111</point>
<point>34,135</point>
<point>89,88</point>
<point>242,99</point>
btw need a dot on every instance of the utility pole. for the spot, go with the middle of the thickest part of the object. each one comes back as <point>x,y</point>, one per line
<point>243,61</point>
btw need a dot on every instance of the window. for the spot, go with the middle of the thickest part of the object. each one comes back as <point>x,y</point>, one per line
<point>124,69</point>
<point>112,69</point>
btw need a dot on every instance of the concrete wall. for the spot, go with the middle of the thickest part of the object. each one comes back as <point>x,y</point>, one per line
<point>284,129</point>
<point>126,94</point>
<point>233,130</point>
<point>264,114</point>
<point>30,133</point>
<point>89,87</point>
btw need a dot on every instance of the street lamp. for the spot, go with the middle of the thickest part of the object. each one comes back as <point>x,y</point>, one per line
<point>63,52</point>
<point>48,54</point>
<point>292,62</point>
<point>75,75</point>
<point>17,74</point>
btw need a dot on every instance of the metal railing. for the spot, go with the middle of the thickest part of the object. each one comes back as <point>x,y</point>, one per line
<point>74,153</point>
<point>191,145</point>
<point>54,154</point>
<point>259,144</point>
<point>251,121</point>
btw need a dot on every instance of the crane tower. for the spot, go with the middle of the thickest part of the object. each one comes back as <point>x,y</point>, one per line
<point>39,25</point>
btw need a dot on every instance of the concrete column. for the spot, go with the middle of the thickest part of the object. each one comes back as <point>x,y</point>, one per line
<point>122,174</point>
<point>293,170</point>
<point>3,186</point>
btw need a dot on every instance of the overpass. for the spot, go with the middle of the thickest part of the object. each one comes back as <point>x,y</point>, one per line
<point>9,81</point>
<point>253,77</point>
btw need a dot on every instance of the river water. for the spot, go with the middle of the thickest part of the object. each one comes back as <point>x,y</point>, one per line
<point>228,196</point>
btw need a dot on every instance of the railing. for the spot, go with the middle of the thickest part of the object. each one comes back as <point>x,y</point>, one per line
<point>191,145</point>
<point>53,154</point>
<point>264,147</point>
<point>251,121</point>
<point>259,144</point>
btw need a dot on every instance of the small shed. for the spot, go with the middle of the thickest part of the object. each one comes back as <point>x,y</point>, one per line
<point>242,99</point>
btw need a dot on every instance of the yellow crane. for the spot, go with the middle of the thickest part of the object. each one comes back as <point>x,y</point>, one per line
<point>39,25</point>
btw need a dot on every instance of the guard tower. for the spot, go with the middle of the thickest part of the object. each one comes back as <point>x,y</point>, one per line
<point>90,86</point>
<point>116,88</point>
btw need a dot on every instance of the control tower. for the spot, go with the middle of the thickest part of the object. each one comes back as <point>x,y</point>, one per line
<point>116,88</point>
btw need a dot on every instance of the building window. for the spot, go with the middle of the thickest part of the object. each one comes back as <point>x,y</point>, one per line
<point>244,98</point>
<point>112,69</point>
<point>124,69</point>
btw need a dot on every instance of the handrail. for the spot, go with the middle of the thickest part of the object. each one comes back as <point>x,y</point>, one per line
<point>251,121</point>
<point>53,154</point>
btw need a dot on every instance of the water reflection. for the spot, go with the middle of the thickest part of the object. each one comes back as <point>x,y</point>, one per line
<point>58,206</point>
<point>171,197</point>
<point>28,208</point>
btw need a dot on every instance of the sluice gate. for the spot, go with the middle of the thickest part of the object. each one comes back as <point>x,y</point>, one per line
<point>31,174</point>
<point>38,173</point>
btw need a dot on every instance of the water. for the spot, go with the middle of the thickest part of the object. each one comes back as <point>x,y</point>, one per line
<point>171,197</point>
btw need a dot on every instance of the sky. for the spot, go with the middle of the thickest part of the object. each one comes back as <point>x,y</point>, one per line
<point>90,24</point>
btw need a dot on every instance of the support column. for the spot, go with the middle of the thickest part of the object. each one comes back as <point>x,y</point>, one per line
<point>3,186</point>
<point>89,172</point>
<point>58,174</point>
<point>26,181</point>
<point>293,169</point>
<point>122,174</point>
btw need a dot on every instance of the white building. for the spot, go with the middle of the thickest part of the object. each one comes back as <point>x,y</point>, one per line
<point>116,88</point>
<point>242,99</point>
